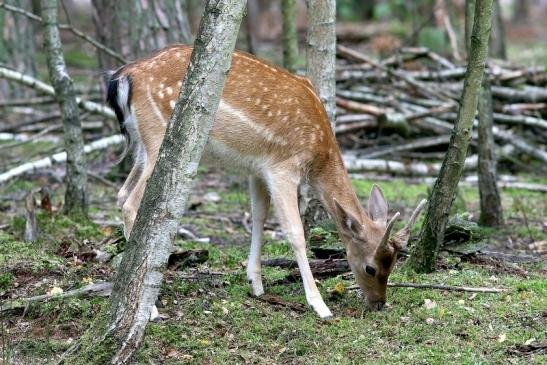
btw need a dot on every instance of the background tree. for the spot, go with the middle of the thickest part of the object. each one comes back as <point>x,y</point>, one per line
<point>17,47</point>
<point>521,11</point>
<point>497,36</point>
<point>321,70</point>
<point>290,35</point>
<point>135,28</point>
<point>321,52</point>
<point>76,173</point>
<point>424,252</point>
<point>141,271</point>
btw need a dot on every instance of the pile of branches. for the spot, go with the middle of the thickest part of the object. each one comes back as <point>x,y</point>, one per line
<point>396,116</point>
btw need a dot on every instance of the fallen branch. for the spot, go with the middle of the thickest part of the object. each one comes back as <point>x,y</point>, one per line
<point>58,158</point>
<point>439,287</point>
<point>91,290</point>
<point>47,89</point>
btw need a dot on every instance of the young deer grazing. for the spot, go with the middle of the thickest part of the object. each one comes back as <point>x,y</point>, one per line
<point>272,125</point>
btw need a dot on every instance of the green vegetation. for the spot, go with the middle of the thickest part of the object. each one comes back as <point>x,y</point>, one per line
<point>212,318</point>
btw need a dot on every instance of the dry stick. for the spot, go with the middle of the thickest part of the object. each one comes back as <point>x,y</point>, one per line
<point>416,144</point>
<point>47,89</point>
<point>439,287</point>
<point>32,138</point>
<point>95,289</point>
<point>423,89</point>
<point>58,158</point>
<point>70,28</point>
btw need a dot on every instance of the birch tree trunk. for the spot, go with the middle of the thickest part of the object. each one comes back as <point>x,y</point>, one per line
<point>321,52</point>
<point>76,175</point>
<point>290,36</point>
<point>424,254</point>
<point>490,199</point>
<point>17,47</point>
<point>141,270</point>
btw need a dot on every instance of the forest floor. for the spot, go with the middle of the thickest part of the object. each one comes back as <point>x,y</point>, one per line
<point>208,317</point>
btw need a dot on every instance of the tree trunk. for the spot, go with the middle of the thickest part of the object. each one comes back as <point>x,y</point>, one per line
<point>320,69</point>
<point>469,16</point>
<point>491,209</point>
<point>424,253</point>
<point>497,37</point>
<point>290,36</point>
<point>321,52</point>
<point>141,270</point>
<point>76,175</point>
<point>521,11</point>
<point>135,28</point>
<point>17,48</point>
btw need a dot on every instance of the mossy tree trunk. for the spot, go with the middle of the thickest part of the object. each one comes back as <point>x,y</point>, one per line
<point>424,253</point>
<point>140,273</point>
<point>290,36</point>
<point>76,170</point>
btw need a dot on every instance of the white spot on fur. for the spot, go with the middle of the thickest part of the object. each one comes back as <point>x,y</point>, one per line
<point>172,104</point>
<point>259,129</point>
<point>155,108</point>
<point>169,90</point>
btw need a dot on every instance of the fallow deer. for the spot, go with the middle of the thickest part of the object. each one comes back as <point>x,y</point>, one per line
<point>273,126</point>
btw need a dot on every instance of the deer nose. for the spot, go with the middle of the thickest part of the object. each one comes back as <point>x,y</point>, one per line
<point>377,306</point>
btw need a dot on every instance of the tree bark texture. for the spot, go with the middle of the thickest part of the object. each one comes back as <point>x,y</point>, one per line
<point>76,170</point>
<point>17,47</point>
<point>135,28</point>
<point>290,35</point>
<point>490,199</point>
<point>497,37</point>
<point>424,253</point>
<point>321,52</point>
<point>141,270</point>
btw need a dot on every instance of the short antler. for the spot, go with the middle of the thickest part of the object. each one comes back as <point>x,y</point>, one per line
<point>401,237</point>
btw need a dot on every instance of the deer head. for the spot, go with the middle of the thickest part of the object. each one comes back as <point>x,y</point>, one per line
<point>371,247</point>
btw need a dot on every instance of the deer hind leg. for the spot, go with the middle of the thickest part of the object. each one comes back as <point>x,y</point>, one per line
<point>260,203</point>
<point>133,177</point>
<point>285,201</point>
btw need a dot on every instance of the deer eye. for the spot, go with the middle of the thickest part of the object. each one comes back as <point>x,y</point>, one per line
<point>370,270</point>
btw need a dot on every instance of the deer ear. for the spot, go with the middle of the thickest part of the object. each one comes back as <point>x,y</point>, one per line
<point>349,223</point>
<point>377,205</point>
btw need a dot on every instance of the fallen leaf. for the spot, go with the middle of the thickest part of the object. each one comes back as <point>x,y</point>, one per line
<point>502,338</point>
<point>87,280</point>
<point>429,321</point>
<point>529,341</point>
<point>461,301</point>
<point>55,291</point>
<point>429,304</point>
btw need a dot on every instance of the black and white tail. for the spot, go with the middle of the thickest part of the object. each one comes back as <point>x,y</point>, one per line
<point>119,98</point>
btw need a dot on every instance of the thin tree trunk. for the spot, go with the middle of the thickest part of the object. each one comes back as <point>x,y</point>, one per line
<point>321,52</point>
<point>141,270</point>
<point>491,209</point>
<point>424,253</point>
<point>497,38</point>
<point>469,16</point>
<point>521,11</point>
<point>76,170</point>
<point>17,47</point>
<point>320,69</point>
<point>290,36</point>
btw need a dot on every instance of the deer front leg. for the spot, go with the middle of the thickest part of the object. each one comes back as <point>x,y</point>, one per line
<point>285,201</point>
<point>260,203</point>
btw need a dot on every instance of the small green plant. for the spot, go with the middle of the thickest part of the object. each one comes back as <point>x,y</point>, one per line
<point>6,280</point>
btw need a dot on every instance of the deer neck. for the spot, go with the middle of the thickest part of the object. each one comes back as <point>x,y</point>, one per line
<point>334,183</point>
